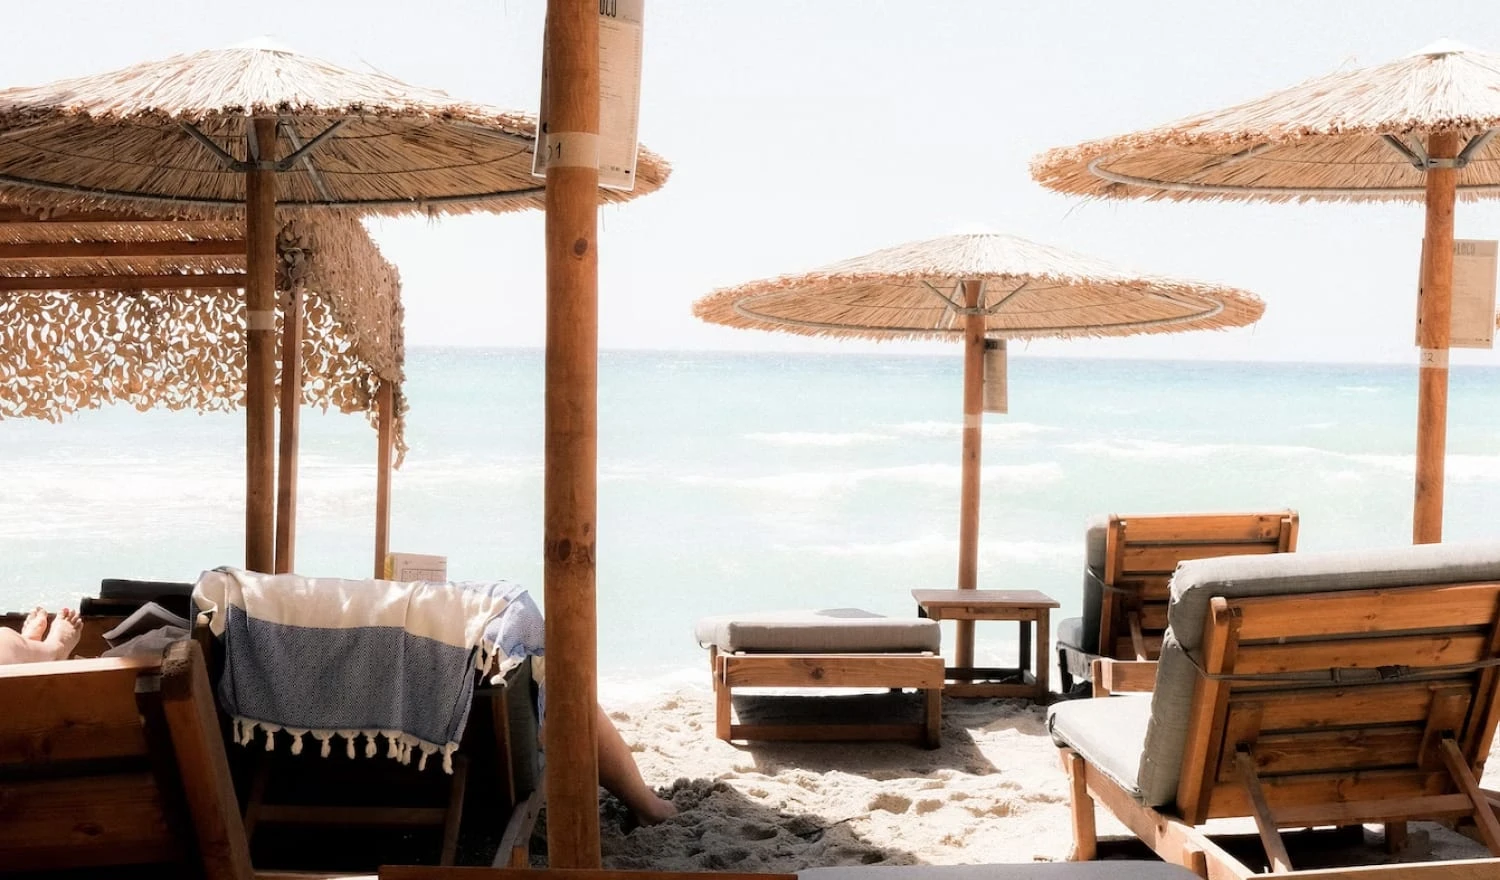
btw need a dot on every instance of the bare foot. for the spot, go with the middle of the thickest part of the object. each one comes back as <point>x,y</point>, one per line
<point>655,811</point>
<point>35,627</point>
<point>66,630</point>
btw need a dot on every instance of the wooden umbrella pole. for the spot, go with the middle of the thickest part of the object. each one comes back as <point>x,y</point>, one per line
<point>1434,326</point>
<point>968,520</point>
<point>260,351</point>
<point>386,432</point>
<point>291,422</point>
<point>570,478</point>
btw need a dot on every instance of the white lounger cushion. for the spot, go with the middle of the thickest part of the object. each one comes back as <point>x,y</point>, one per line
<point>829,631</point>
<point>1109,732</point>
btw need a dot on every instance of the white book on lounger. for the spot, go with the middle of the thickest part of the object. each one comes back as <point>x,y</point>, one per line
<point>144,619</point>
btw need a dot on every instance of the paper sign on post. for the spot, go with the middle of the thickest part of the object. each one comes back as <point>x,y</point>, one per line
<point>1473,320</point>
<point>1474,294</point>
<point>620,49</point>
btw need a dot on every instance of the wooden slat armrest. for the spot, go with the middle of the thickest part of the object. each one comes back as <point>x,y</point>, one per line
<point>1123,676</point>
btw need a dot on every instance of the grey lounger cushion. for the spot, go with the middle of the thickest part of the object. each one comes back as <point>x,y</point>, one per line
<point>1076,662</point>
<point>1094,538</point>
<point>828,631</point>
<point>1070,633</point>
<point>1107,870</point>
<point>1197,581</point>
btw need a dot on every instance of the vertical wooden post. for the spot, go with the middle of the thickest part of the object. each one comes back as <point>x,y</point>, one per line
<point>291,421</point>
<point>260,351</point>
<point>1434,326</point>
<point>571,65</point>
<point>968,518</point>
<point>386,433</point>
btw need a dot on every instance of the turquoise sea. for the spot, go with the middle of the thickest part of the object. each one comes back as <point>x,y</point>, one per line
<point>732,481</point>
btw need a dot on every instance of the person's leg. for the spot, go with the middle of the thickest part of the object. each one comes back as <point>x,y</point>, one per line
<point>619,774</point>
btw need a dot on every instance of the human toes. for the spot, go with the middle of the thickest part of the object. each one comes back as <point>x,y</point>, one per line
<point>35,625</point>
<point>66,630</point>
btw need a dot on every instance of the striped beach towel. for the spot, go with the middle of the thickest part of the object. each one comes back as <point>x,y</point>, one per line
<point>352,659</point>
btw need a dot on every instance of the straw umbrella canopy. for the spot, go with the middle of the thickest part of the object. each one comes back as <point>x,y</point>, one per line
<point>973,288</point>
<point>243,131</point>
<point>1419,128</point>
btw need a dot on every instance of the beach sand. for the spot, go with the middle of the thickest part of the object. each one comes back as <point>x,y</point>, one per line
<point>994,792</point>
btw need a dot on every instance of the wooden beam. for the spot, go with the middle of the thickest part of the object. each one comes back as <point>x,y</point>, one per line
<point>188,702</point>
<point>124,283</point>
<point>89,250</point>
<point>570,469</point>
<point>291,422</point>
<point>1484,817</point>
<point>260,354</point>
<point>385,433</point>
<point>1434,328</point>
<point>1265,822</point>
<point>968,517</point>
<point>12,214</point>
<point>1081,805</point>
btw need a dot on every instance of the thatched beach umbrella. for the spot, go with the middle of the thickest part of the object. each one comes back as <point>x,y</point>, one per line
<point>1419,128</point>
<point>246,130</point>
<point>975,288</point>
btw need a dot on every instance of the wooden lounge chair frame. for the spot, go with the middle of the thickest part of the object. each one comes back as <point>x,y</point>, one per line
<point>1334,708</point>
<point>116,762</point>
<point>513,850</point>
<point>1141,552</point>
<point>922,671</point>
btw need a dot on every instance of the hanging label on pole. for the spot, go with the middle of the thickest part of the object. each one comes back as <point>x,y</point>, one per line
<point>1472,324</point>
<point>996,399</point>
<point>620,50</point>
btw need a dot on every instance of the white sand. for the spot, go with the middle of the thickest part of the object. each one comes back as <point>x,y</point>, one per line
<point>994,792</point>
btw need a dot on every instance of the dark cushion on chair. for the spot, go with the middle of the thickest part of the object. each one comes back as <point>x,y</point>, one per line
<point>1094,539</point>
<point>120,596</point>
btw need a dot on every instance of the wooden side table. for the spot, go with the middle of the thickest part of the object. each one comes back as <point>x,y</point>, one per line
<point>1028,607</point>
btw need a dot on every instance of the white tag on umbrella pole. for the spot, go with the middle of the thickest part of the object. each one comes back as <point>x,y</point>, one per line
<point>620,47</point>
<point>994,376</point>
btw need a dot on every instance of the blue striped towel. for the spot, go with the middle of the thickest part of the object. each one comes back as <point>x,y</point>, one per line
<point>329,657</point>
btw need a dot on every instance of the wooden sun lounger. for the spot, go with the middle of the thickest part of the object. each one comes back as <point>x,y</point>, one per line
<point>1141,552</point>
<point>1128,565</point>
<point>116,762</point>
<point>1307,707</point>
<point>830,648</point>
<point>497,759</point>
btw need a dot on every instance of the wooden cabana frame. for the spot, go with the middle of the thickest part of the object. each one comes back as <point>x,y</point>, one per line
<point>101,308</point>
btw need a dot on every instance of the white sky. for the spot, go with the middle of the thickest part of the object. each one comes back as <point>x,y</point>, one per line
<point>806,132</point>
